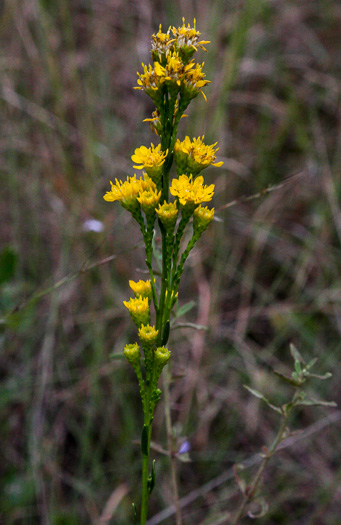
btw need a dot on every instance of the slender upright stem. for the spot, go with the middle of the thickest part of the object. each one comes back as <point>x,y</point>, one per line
<point>145,475</point>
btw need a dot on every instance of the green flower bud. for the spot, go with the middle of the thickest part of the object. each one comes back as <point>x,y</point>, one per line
<point>133,354</point>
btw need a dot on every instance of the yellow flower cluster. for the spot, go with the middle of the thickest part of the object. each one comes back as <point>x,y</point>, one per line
<point>193,157</point>
<point>191,192</point>
<point>171,54</point>
<point>184,38</point>
<point>132,191</point>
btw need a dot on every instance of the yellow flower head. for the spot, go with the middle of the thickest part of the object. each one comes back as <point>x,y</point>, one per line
<point>173,72</point>
<point>202,218</point>
<point>191,192</point>
<point>168,214</point>
<point>194,156</point>
<point>193,81</point>
<point>125,192</point>
<point>151,157</point>
<point>162,43</point>
<point>141,288</point>
<point>150,83</point>
<point>138,309</point>
<point>148,335</point>
<point>149,199</point>
<point>187,39</point>
<point>152,160</point>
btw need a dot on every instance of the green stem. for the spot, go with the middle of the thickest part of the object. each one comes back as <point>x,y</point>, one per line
<point>164,283</point>
<point>145,475</point>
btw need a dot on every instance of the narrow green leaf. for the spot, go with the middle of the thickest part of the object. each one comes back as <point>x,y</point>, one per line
<point>311,363</point>
<point>316,403</point>
<point>254,392</point>
<point>184,309</point>
<point>189,325</point>
<point>117,356</point>
<point>287,379</point>
<point>327,375</point>
<point>263,398</point>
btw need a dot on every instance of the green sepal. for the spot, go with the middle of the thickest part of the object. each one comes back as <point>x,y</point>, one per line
<point>151,479</point>
<point>144,440</point>
<point>134,514</point>
<point>165,335</point>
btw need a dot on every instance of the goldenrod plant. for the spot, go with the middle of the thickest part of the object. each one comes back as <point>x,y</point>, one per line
<point>172,81</point>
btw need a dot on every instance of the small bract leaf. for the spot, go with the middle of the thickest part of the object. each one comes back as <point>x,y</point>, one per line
<point>295,354</point>
<point>311,363</point>
<point>151,479</point>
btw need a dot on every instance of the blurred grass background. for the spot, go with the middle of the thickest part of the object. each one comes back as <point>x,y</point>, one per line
<point>265,275</point>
